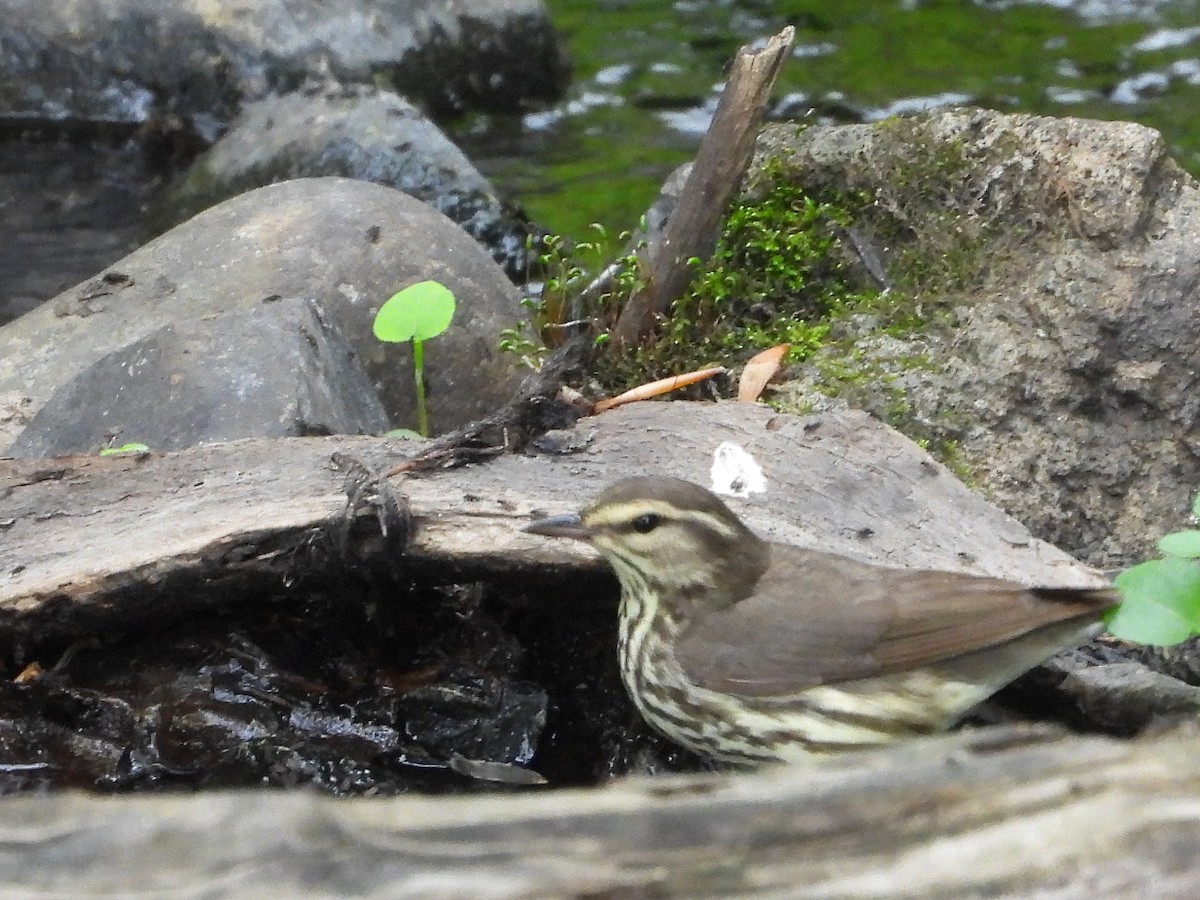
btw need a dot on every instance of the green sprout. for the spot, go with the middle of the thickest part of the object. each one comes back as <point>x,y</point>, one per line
<point>126,450</point>
<point>1160,602</point>
<point>586,279</point>
<point>416,313</point>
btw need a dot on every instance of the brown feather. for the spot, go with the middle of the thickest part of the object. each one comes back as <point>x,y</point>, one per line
<point>816,618</point>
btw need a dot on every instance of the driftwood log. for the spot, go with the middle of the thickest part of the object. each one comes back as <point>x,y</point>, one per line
<point>951,818</point>
<point>88,537</point>
<point>103,543</point>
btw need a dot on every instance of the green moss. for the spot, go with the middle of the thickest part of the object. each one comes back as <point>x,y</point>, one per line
<point>782,273</point>
<point>951,457</point>
<point>916,206</point>
<point>921,209</point>
<point>789,268</point>
<point>776,277</point>
<point>846,372</point>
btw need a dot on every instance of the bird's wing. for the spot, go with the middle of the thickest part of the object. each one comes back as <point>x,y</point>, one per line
<point>816,618</point>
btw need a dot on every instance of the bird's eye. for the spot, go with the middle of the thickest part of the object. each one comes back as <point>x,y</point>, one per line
<point>646,522</point>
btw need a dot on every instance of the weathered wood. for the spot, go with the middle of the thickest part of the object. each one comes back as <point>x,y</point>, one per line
<point>88,536</point>
<point>962,816</point>
<point>721,161</point>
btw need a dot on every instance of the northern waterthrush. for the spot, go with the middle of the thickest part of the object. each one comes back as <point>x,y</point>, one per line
<point>748,651</point>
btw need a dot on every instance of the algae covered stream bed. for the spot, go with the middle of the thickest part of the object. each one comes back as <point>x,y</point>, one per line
<point>647,74</point>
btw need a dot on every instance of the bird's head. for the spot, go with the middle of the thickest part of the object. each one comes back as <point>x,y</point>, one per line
<point>668,533</point>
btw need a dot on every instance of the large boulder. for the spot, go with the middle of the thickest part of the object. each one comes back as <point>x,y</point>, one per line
<point>1051,268</point>
<point>364,133</point>
<point>347,245</point>
<point>276,369</point>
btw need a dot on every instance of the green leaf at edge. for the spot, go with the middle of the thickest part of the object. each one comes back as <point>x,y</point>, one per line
<point>1181,543</point>
<point>1161,602</point>
<point>1151,625</point>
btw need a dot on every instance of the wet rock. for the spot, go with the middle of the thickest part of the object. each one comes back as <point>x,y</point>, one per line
<point>1180,661</point>
<point>347,698</point>
<point>196,61</point>
<point>348,245</point>
<point>276,369</point>
<point>1051,267</point>
<point>103,102</point>
<point>470,714</point>
<point>361,133</point>
<point>1125,698</point>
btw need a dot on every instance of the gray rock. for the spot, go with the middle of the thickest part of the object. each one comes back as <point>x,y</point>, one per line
<point>362,133</point>
<point>1127,697</point>
<point>1053,265</point>
<point>273,370</point>
<point>135,89</point>
<point>136,60</point>
<point>346,244</point>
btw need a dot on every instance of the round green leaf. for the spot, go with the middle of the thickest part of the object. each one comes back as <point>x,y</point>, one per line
<point>1152,625</point>
<point>1181,543</point>
<point>418,312</point>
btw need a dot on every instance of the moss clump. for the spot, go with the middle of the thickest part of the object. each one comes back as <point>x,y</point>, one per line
<point>777,276</point>
<point>786,271</point>
<point>948,452</point>
<point>929,205</point>
<point>901,202</point>
<point>921,213</point>
<point>941,200</point>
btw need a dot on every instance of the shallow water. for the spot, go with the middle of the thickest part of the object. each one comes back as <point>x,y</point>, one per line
<point>647,73</point>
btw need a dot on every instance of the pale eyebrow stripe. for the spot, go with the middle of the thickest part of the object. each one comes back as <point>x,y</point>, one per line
<point>621,514</point>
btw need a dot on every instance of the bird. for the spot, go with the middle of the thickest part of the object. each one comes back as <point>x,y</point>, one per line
<point>748,652</point>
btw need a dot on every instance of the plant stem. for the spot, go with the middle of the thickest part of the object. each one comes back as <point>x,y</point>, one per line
<point>419,381</point>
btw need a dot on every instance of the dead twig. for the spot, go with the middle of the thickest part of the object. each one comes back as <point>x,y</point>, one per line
<point>537,408</point>
<point>658,388</point>
<point>721,161</point>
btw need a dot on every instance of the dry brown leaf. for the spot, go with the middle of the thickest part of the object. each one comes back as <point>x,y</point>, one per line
<point>30,673</point>
<point>759,371</point>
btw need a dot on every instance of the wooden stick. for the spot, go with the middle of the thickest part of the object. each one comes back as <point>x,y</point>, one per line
<point>721,161</point>
<point>658,388</point>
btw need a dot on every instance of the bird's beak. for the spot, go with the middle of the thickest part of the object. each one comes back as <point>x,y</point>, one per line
<point>569,526</point>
